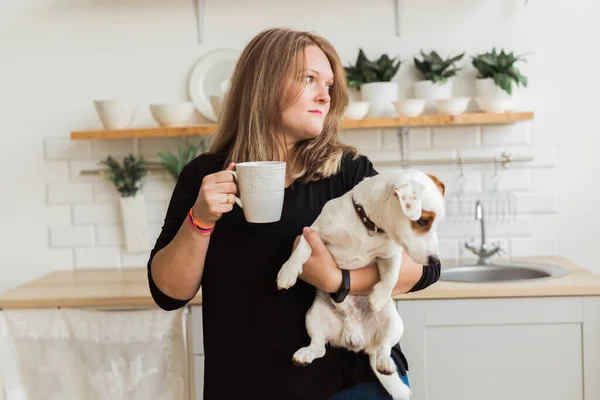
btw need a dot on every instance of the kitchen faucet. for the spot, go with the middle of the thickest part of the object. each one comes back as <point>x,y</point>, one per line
<point>485,251</point>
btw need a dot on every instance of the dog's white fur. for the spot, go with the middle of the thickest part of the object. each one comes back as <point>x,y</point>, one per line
<point>391,200</point>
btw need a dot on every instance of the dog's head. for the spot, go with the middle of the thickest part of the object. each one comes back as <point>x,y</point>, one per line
<point>415,207</point>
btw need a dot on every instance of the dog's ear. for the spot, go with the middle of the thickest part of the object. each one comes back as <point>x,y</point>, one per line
<point>438,183</point>
<point>410,195</point>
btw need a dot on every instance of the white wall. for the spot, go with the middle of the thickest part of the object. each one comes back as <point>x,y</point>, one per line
<point>57,56</point>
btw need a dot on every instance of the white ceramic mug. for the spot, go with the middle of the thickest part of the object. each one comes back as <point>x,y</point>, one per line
<point>262,187</point>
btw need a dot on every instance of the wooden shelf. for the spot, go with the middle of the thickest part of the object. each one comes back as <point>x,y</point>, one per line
<point>478,118</point>
<point>145,132</point>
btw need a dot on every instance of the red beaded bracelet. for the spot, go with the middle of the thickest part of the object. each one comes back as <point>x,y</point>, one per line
<point>205,230</point>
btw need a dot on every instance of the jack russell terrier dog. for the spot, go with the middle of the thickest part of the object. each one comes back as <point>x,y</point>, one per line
<point>373,222</point>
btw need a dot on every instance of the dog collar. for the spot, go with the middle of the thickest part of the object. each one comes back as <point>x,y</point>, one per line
<point>370,225</point>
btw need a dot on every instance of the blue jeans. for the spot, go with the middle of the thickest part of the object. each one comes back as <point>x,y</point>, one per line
<point>367,391</point>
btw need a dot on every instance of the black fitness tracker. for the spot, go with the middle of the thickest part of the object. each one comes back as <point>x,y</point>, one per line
<point>344,289</point>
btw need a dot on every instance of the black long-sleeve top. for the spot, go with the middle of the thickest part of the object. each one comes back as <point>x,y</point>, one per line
<point>252,329</point>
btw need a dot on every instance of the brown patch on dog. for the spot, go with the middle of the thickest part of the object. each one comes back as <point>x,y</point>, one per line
<point>438,183</point>
<point>423,224</point>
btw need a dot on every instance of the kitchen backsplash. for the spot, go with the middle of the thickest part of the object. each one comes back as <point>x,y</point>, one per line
<point>83,218</point>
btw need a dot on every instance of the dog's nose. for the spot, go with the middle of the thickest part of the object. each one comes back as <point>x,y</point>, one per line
<point>433,261</point>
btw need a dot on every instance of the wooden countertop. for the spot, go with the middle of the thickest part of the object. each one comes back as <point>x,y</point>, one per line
<point>578,282</point>
<point>103,287</point>
<point>128,288</point>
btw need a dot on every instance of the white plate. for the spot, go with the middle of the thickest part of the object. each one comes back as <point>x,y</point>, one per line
<point>210,77</point>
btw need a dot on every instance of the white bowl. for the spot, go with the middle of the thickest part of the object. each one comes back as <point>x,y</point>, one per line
<point>357,109</point>
<point>495,104</point>
<point>454,106</point>
<point>115,114</point>
<point>172,114</point>
<point>410,107</point>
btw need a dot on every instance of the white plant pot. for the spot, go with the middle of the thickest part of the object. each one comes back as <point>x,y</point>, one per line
<point>487,88</point>
<point>135,226</point>
<point>433,91</point>
<point>381,96</point>
<point>492,98</point>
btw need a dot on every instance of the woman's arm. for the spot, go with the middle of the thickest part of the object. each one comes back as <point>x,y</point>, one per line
<point>176,265</point>
<point>177,268</point>
<point>362,280</point>
<point>322,271</point>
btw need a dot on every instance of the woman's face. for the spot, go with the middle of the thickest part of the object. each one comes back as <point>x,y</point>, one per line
<point>304,119</point>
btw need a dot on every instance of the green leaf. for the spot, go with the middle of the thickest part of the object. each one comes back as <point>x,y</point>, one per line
<point>187,151</point>
<point>435,58</point>
<point>365,71</point>
<point>433,67</point>
<point>127,179</point>
<point>524,81</point>
<point>504,81</point>
<point>500,67</point>
<point>456,59</point>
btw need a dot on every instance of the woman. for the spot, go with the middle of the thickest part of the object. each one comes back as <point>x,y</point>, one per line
<point>285,102</point>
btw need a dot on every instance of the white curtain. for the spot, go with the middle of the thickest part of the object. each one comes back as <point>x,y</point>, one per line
<point>73,354</point>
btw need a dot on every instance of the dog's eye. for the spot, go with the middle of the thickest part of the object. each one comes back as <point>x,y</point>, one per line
<point>422,222</point>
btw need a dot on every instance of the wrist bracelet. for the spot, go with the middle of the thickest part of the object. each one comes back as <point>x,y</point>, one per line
<point>344,289</point>
<point>205,230</point>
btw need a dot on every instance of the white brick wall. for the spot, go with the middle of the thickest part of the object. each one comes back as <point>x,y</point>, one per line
<point>97,257</point>
<point>72,236</point>
<point>66,193</point>
<point>82,212</point>
<point>530,185</point>
<point>66,149</point>
<point>455,136</point>
<point>96,213</point>
<point>84,223</point>
<point>501,135</point>
<point>109,235</point>
<point>534,246</point>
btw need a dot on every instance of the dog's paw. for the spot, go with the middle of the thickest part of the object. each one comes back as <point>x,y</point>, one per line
<point>304,356</point>
<point>385,365</point>
<point>378,299</point>
<point>401,392</point>
<point>353,339</point>
<point>287,276</point>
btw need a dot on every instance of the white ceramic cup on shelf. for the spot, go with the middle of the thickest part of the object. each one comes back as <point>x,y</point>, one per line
<point>261,185</point>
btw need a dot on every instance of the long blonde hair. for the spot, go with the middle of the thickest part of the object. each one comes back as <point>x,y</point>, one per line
<point>260,90</point>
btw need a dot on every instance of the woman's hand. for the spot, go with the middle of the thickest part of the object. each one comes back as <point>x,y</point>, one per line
<point>216,196</point>
<point>320,270</point>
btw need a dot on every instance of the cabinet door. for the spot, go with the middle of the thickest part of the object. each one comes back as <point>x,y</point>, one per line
<point>197,345</point>
<point>494,349</point>
<point>199,376</point>
<point>197,333</point>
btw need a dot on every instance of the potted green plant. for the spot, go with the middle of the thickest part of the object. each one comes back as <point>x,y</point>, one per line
<point>496,78</point>
<point>373,79</point>
<point>437,73</point>
<point>173,163</point>
<point>127,179</point>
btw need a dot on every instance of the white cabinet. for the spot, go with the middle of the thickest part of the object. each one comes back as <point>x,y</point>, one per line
<point>198,377</point>
<point>512,348</point>
<point>493,349</point>
<point>197,347</point>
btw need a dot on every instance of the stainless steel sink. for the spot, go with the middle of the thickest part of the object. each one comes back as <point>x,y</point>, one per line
<point>483,270</point>
<point>506,271</point>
